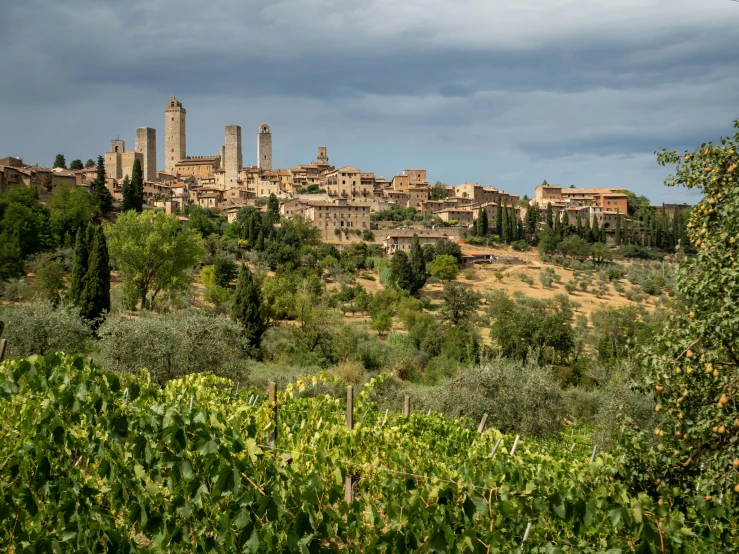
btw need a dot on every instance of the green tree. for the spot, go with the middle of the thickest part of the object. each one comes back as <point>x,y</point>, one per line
<point>575,247</point>
<point>95,296</point>
<point>600,252</point>
<point>401,272</point>
<point>547,242</point>
<point>481,225</point>
<point>439,191</point>
<point>444,267</point>
<point>224,269</point>
<point>499,219</point>
<point>79,265</point>
<point>59,161</point>
<point>153,253</point>
<point>249,308</point>
<point>459,304</point>
<point>11,261</point>
<point>71,209</point>
<point>381,321</point>
<point>595,231</point>
<point>49,279</point>
<point>418,264</point>
<point>76,165</point>
<point>25,221</point>
<point>549,216</point>
<point>89,163</point>
<point>617,236</point>
<point>99,189</point>
<point>128,199</point>
<point>273,209</point>
<point>137,187</point>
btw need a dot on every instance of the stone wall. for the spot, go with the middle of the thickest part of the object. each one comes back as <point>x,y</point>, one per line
<point>233,158</point>
<point>146,144</point>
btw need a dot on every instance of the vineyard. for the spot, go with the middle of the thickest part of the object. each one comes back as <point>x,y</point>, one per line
<point>98,461</point>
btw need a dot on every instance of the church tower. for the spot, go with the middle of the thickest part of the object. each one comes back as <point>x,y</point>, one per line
<point>264,148</point>
<point>175,148</point>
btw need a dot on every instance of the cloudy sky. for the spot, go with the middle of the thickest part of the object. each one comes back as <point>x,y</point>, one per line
<point>504,93</point>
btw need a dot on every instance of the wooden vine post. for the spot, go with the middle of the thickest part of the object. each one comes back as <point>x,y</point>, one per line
<point>483,422</point>
<point>3,342</point>
<point>273,416</point>
<point>351,479</point>
<point>407,406</point>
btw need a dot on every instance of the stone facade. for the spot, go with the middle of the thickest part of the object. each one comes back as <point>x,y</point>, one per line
<point>264,148</point>
<point>113,162</point>
<point>338,222</point>
<point>198,167</point>
<point>322,157</point>
<point>146,144</point>
<point>175,143</point>
<point>233,163</point>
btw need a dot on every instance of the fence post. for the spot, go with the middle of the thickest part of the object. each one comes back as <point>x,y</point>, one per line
<point>592,458</point>
<point>407,406</point>
<point>3,346</point>
<point>350,407</point>
<point>483,421</point>
<point>273,417</point>
<point>495,448</point>
<point>515,444</point>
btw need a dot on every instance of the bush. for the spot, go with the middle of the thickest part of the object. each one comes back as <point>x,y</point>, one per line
<point>518,397</point>
<point>173,345</point>
<point>521,245</point>
<point>470,273</point>
<point>39,328</point>
<point>571,286</point>
<point>614,273</point>
<point>526,279</point>
<point>14,290</point>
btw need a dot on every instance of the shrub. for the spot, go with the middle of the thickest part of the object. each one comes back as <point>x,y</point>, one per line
<point>350,371</point>
<point>173,345</point>
<point>584,285</point>
<point>14,289</point>
<point>521,245</point>
<point>39,328</point>
<point>571,286</point>
<point>526,279</point>
<point>470,273</point>
<point>499,276</point>
<point>518,397</point>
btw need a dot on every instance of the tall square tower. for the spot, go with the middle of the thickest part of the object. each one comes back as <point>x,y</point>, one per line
<point>146,144</point>
<point>264,148</point>
<point>175,147</point>
<point>233,157</point>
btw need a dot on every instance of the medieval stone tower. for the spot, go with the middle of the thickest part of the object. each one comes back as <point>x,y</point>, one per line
<point>322,157</point>
<point>264,148</point>
<point>146,144</point>
<point>175,148</point>
<point>232,155</point>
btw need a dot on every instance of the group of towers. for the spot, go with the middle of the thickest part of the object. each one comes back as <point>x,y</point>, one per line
<point>175,144</point>
<point>119,162</point>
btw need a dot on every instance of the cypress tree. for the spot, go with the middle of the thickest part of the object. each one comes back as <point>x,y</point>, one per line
<point>248,307</point>
<point>550,216</point>
<point>101,194</point>
<point>557,228</point>
<point>595,231</point>
<point>137,187</point>
<point>499,220</point>
<point>565,223</point>
<point>79,265</point>
<point>618,228</point>
<point>418,264</point>
<point>401,271</point>
<point>512,219</point>
<point>586,233</point>
<point>95,296</point>
<point>504,227</point>
<point>578,225</point>
<point>128,195</point>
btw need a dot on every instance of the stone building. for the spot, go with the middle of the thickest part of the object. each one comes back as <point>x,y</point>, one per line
<point>119,161</point>
<point>401,239</point>
<point>233,160</point>
<point>322,157</point>
<point>340,221</point>
<point>264,148</point>
<point>198,167</point>
<point>175,143</point>
<point>146,144</point>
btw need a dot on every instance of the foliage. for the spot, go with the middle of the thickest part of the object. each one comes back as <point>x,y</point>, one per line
<point>224,270</point>
<point>170,346</point>
<point>249,308</point>
<point>48,282</point>
<point>103,200</point>
<point>94,299</point>
<point>75,165</point>
<point>401,271</point>
<point>446,247</point>
<point>157,473</point>
<point>71,209</point>
<point>153,252</point>
<point>521,245</point>
<point>528,327</point>
<point>60,161</point>
<point>39,327</point>
<point>418,265</point>
<point>459,304</point>
<point>444,267</point>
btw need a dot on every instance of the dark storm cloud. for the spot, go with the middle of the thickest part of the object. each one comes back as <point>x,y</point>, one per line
<point>565,79</point>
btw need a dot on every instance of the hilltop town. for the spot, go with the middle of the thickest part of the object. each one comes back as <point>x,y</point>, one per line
<point>345,203</point>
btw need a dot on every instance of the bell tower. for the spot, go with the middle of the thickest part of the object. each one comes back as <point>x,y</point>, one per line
<point>264,148</point>
<point>175,145</point>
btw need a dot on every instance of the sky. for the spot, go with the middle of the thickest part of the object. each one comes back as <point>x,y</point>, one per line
<point>506,94</point>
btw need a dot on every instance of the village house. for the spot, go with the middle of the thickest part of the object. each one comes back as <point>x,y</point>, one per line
<point>401,239</point>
